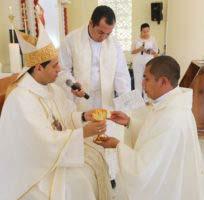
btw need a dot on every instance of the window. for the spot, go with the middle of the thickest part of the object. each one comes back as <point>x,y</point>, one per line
<point>123,12</point>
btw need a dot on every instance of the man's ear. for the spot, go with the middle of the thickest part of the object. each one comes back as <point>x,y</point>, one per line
<point>39,67</point>
<point>90,23</point>
<point>164,80</point>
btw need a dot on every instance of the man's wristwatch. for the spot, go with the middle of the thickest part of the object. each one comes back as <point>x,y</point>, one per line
<point>83,117</point>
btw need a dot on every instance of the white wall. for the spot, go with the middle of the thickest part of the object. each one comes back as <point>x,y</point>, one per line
<point>52,17</point>
<point>79,12</point>
<point>142,13</point>
<point>4,29</point>
<point>185,35</point>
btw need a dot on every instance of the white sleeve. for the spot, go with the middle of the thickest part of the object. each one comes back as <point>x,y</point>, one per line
<point>137,119</point>
<point>122,77</point>
<point>65,60</point>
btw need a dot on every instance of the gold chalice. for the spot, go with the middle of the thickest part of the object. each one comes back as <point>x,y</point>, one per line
<point>100,115</point>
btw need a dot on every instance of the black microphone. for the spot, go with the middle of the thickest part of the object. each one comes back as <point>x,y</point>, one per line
<point>75,86</point>
<point>143,45</point>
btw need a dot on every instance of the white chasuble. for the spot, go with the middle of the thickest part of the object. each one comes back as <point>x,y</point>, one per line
<point>165,162</point>
<point>38,161</point>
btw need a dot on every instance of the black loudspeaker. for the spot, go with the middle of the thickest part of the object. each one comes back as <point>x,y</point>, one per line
<point>156,11</point>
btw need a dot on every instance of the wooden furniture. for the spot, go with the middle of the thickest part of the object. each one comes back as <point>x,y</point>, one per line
<point>4,84</point>
<point>194,78</point>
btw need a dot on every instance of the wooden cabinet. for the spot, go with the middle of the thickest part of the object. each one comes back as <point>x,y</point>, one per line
<point>194,78</point>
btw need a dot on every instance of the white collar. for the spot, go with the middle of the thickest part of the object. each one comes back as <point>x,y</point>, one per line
<point>163,100</point>
<point>165,96</point>
<point>177,98</point>
<point>29,83</point>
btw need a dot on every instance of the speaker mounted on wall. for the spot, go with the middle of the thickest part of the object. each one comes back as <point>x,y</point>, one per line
<point>156,11</point>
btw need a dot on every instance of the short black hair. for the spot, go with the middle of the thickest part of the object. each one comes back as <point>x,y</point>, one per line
<point>165,66</point>
<point>103,12</point>
<point>145,25</point>
<point>44,64</point>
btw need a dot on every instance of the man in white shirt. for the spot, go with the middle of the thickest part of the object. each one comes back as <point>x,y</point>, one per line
<point>162,158</point>
<point>90,56</point>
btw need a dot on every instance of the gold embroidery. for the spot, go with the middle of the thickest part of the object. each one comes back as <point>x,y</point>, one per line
<point>56,124</point>
<point>39,56</point>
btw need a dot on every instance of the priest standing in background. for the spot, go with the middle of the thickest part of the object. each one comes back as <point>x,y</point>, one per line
<point>92,57</point>
<point>163,158</point>
<point>42,139</point>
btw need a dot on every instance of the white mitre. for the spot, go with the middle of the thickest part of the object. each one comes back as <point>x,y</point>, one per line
<point>36,50</point>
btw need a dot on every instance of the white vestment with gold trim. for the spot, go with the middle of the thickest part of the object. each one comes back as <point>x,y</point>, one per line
<point>39,162</point>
